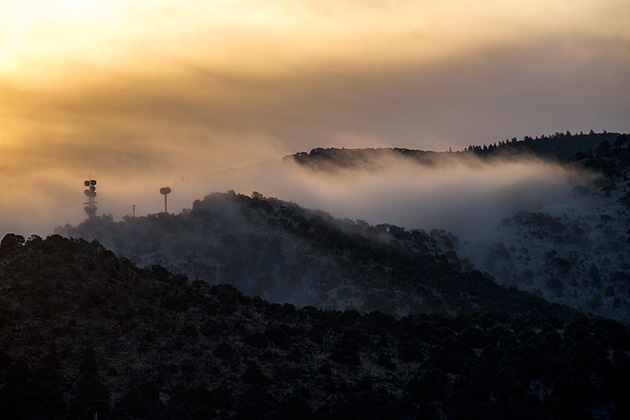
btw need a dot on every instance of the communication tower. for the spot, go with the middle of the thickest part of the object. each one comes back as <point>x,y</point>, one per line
<point>90,192</point>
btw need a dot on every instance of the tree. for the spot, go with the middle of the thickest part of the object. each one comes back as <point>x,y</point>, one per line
<point>10,244</point>
<point>556,285</point>
<point>596,302</point>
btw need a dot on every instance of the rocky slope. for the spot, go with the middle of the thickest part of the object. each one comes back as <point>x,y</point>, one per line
<point>83,332</point>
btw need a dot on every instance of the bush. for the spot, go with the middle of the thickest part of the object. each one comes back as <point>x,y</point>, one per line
<point>556,285</point>
<point>253,375</point>
<point>223,351</point>
<point>10,244</point>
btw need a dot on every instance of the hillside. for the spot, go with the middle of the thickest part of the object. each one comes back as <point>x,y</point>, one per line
<point>576,251</point>
<point>84,333</point>
<point>284,253</point>
<point>572,250</point>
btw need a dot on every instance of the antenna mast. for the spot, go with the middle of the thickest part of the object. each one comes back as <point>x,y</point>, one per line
<point>90,192</point>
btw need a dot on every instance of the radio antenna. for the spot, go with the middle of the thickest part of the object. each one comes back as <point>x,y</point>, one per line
<point>90,192</point>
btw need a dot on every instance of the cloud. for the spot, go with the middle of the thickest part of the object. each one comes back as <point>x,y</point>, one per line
<point>457,192</point>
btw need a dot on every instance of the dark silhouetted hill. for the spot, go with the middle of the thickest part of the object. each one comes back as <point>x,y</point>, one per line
<point>370,159</point>
<point>611,157</point>
<point>558,147</point>
<point>85,334</point>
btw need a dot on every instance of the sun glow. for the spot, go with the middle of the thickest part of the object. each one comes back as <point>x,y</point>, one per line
<point>41,38</point>
<point>35,35</point>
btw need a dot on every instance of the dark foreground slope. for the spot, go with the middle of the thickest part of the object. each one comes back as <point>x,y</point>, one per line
<point>284,253</point>
<point>84,332</point>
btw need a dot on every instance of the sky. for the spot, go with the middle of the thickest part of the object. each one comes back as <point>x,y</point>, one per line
<point>141,94</point>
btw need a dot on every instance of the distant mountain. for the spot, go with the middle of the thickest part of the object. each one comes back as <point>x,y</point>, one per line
<point>560,147</point>
<point>332,159</point>
<point>284,253</point>
<point>85,334</point>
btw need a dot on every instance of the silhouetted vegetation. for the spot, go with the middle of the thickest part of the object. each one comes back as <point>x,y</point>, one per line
<point>221,354</point>
<point>611,156</point>
<point>559,147</point>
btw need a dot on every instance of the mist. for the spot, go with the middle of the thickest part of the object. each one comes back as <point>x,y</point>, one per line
<point>459,192</point>
<point>455,191</point>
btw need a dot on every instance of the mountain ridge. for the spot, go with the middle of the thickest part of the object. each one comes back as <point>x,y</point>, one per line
<point>273,248</point>
<point>558,147</point>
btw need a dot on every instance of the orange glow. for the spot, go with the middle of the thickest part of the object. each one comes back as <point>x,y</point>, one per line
<point>42,39</point>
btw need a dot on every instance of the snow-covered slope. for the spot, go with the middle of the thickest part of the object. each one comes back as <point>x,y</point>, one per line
<point>575,252</point>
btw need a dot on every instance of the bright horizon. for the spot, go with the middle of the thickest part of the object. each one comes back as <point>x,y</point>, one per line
<point>149,92</point>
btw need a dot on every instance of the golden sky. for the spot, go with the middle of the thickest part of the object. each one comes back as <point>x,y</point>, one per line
<point>169,89</point>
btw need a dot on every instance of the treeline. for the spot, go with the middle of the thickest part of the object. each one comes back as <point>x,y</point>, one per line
<point>330,159</point>
<point>561,146</point>
<point>610,157</point>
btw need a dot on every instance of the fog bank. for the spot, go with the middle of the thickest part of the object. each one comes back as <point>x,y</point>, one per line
<point>458,192</point>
